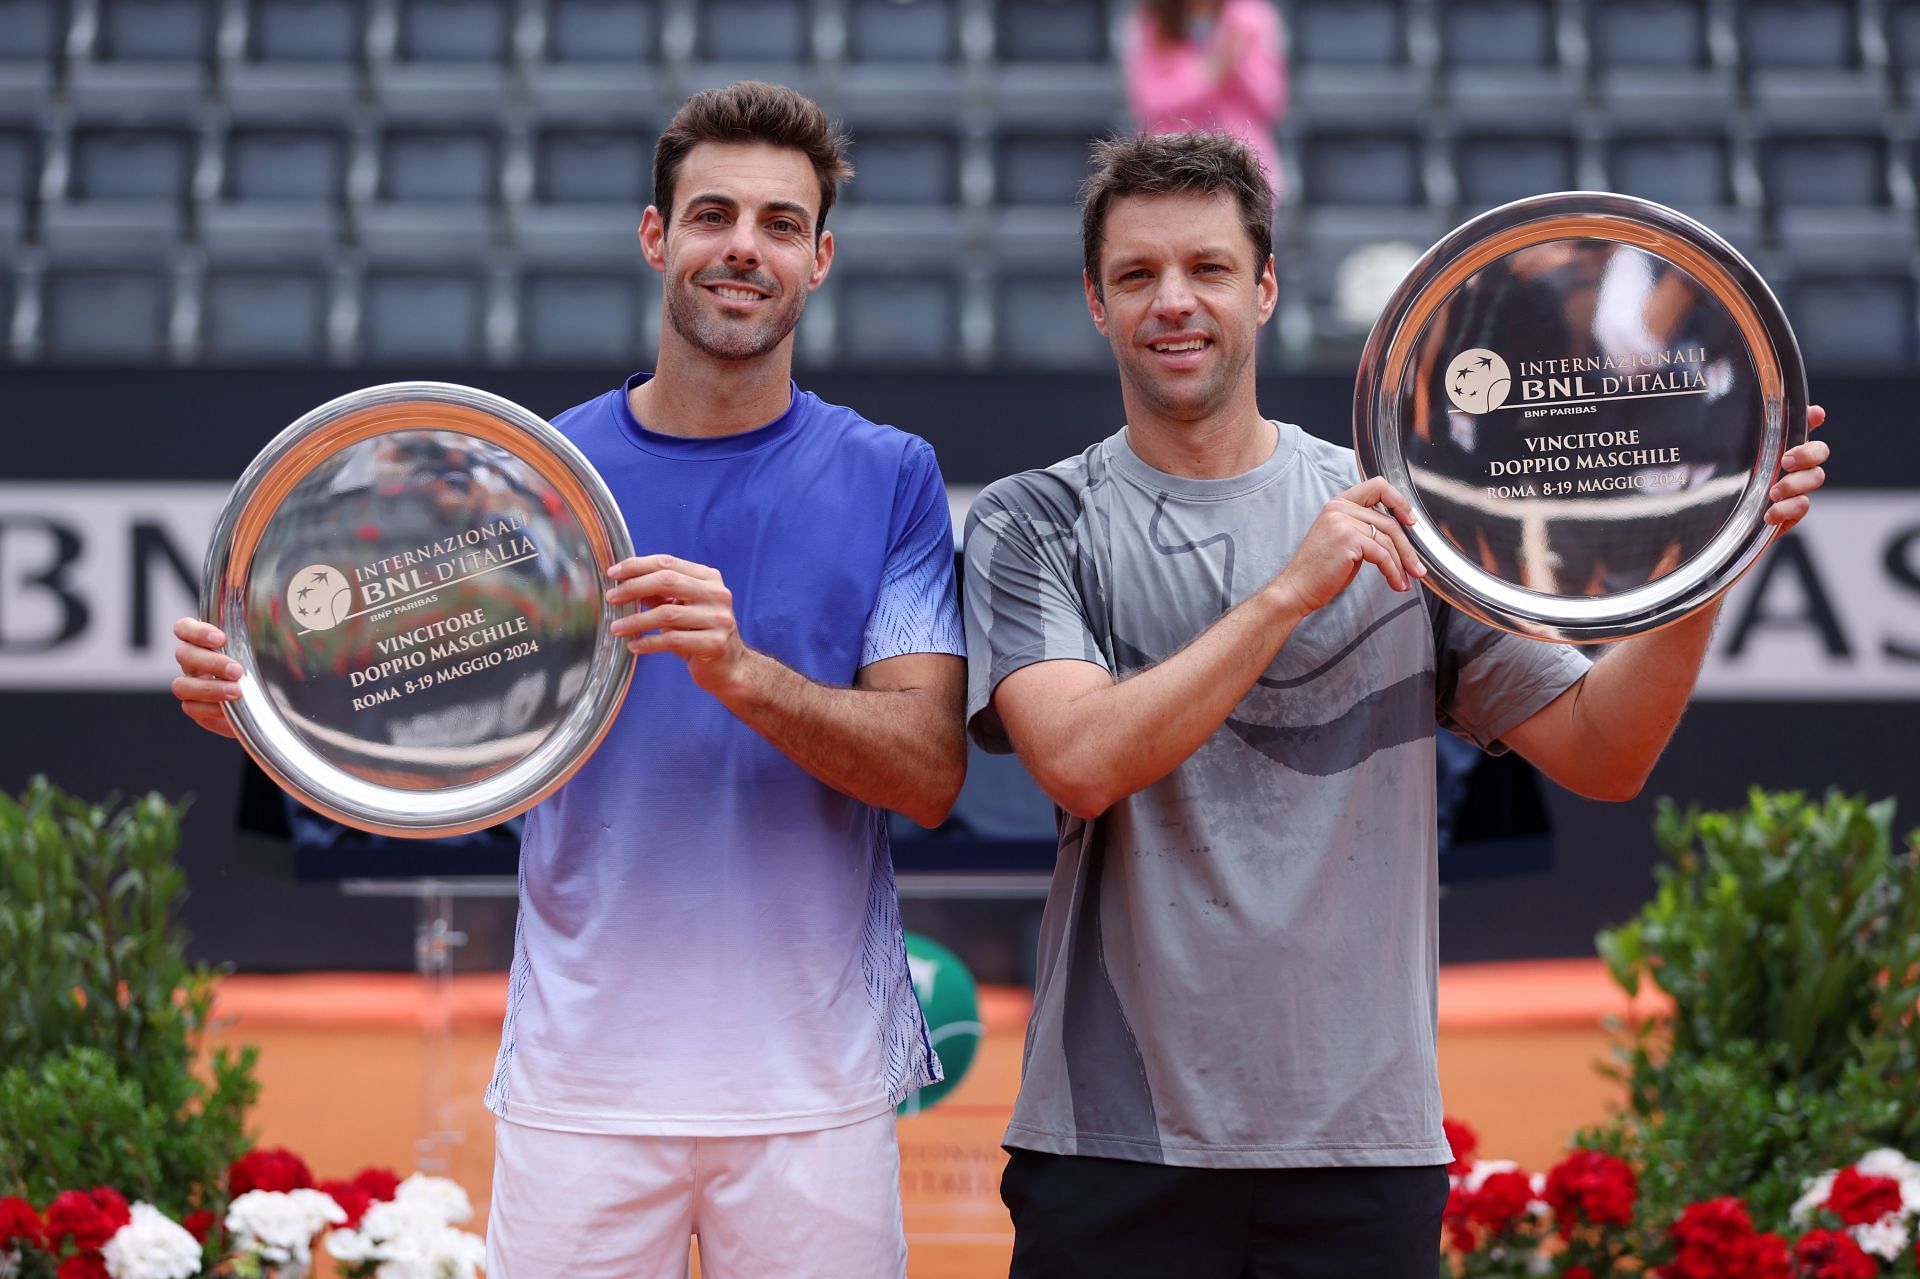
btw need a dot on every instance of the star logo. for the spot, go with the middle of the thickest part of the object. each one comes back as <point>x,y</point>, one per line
<point>1479,381</point>
<point>320,597</point>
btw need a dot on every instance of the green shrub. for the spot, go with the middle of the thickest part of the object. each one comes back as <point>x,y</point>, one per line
<point>1788,936</point>
<point>101,1016</point>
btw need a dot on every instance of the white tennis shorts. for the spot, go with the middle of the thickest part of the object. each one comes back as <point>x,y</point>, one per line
<point>785,1206</point>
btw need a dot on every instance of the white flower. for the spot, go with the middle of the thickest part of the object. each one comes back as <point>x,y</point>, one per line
<point>280,1224</point>
<point>9,1263</point>
<point>1813,1198</point>
<point>1482,1169</point>
<point>438,1252</point>
<point>1885,1238</point>
<point>410,1238</point>
<point>441,1194</point>
<point>151,1246</point>
<point>1887,1163</point>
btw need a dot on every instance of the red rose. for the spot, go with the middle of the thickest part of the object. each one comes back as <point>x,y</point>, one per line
<point>1715,1240</point>
<point>89,1217</point>
<point>1591,1187</point>
<point>379,1183</point>
<point>1501,1198</point>
<point>1860,1200</point>
<point>1464,1142</point>
<point>83,1265</point>
<point>1578,1272</point>
<point>198,1223</point>
<point>19,1223</point>
<point>275,1168</point>
<point>1765,1257</point>
<point>352,1198</point>
<point>1829,1254</point>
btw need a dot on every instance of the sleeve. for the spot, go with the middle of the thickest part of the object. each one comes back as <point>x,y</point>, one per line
<point>1486,681</point>
<point>1260,69</point>
<point>917,609</point>
<point>1022,603</point>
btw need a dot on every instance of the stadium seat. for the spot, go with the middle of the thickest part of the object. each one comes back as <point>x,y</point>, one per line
<point>1659,60</point>
<point>1502,60</point>
<point>19,183</point>
<point>280,186</point>
<point>1040,319</point>
<point>1353,61</point>
<point>598,60</point>
<point>421,311</point>
<point>297,56</point>
<point>145,55</point>
<point>106,314</point>
<point>1902,35</point>
<point>436,189</point>
<point>1491,168</point>
<point>256,314</point>
<point>896,31</point>
<point>1854,322</point>
<point>445,56</point>
<point>126,190</point>
<point>1691,172</point>
<point>590,186</point>
<point>32,40</point>
<point>1051,31</point>
<point>893,317</point>
<point>1832,198</point>
<point>1375,168</point>
<point>573,317</point>
<point>1041,167</point>
<point>906,166</point>
<point>1804,59</point>
<point>754,31</point>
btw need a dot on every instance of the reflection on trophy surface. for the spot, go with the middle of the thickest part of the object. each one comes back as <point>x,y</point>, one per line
<point>1587,396</point>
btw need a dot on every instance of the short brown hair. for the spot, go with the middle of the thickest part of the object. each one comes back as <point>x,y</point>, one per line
<point>1205,162</point>
<point>752,111</point>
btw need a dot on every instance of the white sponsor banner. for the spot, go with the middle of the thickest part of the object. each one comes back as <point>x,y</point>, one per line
<point>92,576</point>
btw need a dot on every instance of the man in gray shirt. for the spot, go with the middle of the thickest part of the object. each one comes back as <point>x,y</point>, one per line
<point>1208,641</point>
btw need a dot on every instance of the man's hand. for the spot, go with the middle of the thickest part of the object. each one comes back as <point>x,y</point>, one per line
<point>685,608</point>
<point>1801,472</point>
<point>208,678</point>
<point>1350,531</point>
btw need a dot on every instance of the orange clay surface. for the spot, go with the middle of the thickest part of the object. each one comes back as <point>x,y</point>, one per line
<point>345,1071</point>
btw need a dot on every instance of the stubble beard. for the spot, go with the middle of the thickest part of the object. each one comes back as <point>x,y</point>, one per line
<point>1189,400</point>
<point>731,339</point>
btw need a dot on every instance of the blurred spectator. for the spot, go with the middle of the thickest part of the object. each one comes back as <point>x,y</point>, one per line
<point>1210,64</point>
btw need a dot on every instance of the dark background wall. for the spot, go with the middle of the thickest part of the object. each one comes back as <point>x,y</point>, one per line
<point>1833,706</point>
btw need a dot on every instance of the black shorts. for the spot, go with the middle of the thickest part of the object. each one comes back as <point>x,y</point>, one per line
<point>1074,1215</point>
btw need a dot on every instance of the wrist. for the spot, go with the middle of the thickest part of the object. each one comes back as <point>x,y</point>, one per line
<point>734,679</point>
<point>1282,604</point>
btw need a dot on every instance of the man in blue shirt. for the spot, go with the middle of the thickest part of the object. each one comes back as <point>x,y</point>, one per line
<point>710,1017</point>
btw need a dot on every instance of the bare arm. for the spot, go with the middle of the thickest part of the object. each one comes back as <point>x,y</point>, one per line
<point>896,739</point>
<point>1090,741</point>
<point>1602,737</point>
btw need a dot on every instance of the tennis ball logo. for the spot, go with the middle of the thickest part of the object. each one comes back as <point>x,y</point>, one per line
<point>1478,381</point>
<point>319,597</point>
<point>951,1002</point>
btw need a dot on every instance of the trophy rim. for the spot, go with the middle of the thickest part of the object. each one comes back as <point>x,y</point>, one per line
<point>270,738</point>
<point>1771,347</point>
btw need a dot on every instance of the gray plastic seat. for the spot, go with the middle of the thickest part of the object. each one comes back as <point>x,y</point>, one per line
<point>602,31</point>
<point>146,54</point>
<point>1854,323</point>
<point>896,31</point>
<point>1683,170</point>
<point>919,166</point>
<point>1355,168</point>
<point>105,315</point>
<point>302,164</point>
<point>19,182</point>
<point>410,314</point>
<point>757,31</point>
<point>592,166</point>
<point>1653,59</point>
<point>1042,320</point>
<point>1040,168</point>
<point>1352,61</point>
<point>1493,168</point>
<point>1804,60</point>
<point>298,56</point>
<point>897,316</point>
<point>576,317</point>
<point>261,315</point>
<point>454,31</point>
<point>32,37</point>
<point>1831,199</point>
<point>1502,59</point>
<point>1051,31</point>
<point>452,165</point>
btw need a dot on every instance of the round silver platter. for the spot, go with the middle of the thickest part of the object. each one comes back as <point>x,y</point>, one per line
<point>1586,397</point>
<point>411,578</point>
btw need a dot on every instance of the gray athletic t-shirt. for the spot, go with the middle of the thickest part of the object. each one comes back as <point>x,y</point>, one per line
<point>1238,964</point>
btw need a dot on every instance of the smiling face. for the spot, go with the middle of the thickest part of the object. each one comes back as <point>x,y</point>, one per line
<point>739,252</point>
<point>1181,301</point>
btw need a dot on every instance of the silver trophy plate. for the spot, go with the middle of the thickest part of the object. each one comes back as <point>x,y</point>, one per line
<point>412,580</point>
<point>1586,397</point>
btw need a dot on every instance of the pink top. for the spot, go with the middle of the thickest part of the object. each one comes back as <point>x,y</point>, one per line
<point>1233,78</point>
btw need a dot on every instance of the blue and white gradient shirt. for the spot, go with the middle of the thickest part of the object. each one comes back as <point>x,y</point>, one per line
<point>709,941</point>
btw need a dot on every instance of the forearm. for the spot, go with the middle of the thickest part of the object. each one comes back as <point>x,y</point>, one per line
<point>902,749</point>
<point>1628,705</point>
<point>1119,738</point>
